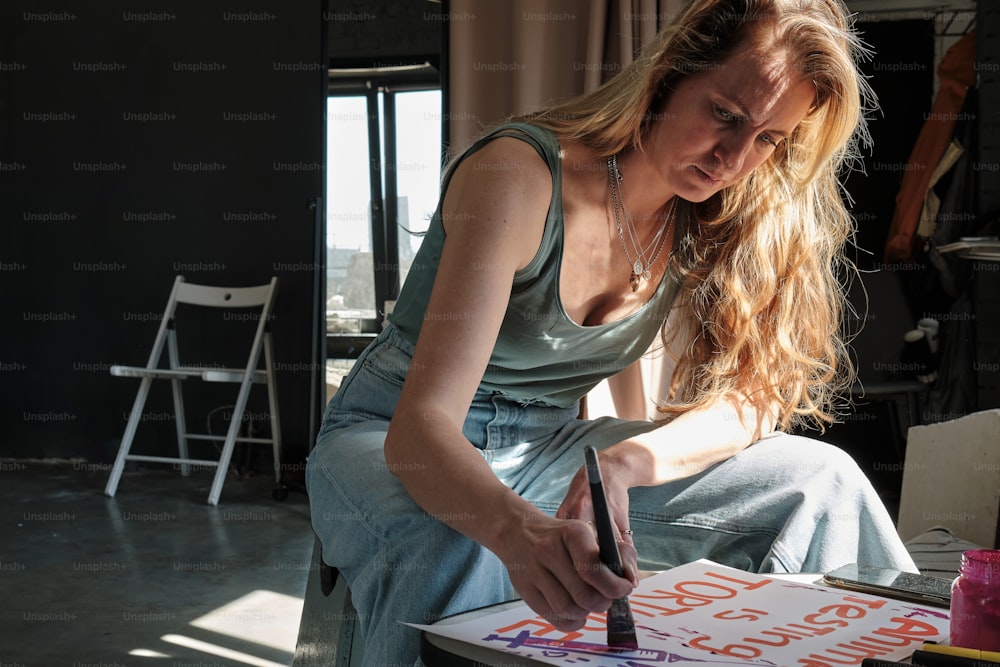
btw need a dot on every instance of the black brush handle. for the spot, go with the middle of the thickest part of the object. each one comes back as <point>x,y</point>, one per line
<point>610,555</point>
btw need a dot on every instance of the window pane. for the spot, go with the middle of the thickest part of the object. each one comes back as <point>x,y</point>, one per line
<point>350,291</point>
<point>418,169</point>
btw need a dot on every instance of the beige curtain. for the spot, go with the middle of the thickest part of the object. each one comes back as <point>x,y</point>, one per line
<point>508,57</point>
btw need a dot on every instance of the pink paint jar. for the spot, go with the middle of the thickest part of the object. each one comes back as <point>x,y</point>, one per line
<point>975,601</point>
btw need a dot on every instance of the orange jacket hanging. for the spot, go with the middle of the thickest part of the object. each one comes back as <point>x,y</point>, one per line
<point>956,73</point>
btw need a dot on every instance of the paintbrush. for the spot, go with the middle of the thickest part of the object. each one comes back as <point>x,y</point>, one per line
<point>621,627</point>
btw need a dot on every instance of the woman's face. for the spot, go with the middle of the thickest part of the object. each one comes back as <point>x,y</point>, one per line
<point>718,125</point>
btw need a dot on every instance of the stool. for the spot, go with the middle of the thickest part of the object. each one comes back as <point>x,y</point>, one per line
<point>328,630</point>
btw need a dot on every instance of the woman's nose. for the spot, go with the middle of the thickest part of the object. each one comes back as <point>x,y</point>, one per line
<point>732,151</point>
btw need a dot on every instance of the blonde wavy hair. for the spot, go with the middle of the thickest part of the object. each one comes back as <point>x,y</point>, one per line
<point>763,260</point>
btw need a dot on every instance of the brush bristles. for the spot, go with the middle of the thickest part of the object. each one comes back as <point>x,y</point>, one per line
<point>621,627</point>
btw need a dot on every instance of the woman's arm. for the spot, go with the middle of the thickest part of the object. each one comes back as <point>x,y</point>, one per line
<point>629,393</point>
<point>692,442</point>
<point>494,214</point>
<point>687,445</point>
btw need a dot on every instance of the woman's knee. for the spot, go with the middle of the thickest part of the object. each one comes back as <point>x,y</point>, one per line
<point>798,458</point>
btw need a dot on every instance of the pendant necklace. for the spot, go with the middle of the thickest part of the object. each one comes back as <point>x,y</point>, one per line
<point>640,266</point>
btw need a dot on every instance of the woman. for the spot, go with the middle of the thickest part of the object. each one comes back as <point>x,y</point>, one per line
<point>448,475</point>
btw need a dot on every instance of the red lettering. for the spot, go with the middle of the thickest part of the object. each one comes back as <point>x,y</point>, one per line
<point>683,603</point>
<point>886,642</point>
<point>879,643</point>
<point>816,632</point>
<point>871,603</point>
<point>732,650</point>
<point>849,611</point>
<point>733,615</point>
<point>649,614</point>
<point>909,628</point>
<point>688,595</point>
<point>655,594</point>
<point>667,611</point>
<point>784,637</point>
<point>747,585</point>
<point>685,586</point>
<point>851,656</point>
<point>856,653</point>
<point>817,619</point>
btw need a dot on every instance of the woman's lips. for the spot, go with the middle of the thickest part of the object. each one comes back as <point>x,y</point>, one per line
<point>706,177</point>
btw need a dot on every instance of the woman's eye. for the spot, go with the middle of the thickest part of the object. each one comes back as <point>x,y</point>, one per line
<point>769,140</point>
<point>726,115</point>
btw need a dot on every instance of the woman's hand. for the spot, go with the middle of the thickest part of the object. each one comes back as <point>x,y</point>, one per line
<point>578,505</point>
<point>555,566</point>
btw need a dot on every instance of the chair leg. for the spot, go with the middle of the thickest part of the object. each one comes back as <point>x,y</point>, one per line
<point>130,428</point>
<point>231,434</point>
<point>222,468</point>
<point>272,401</point>
<point>179,422</point>
<point>276,442</point>
<point>181,426</point>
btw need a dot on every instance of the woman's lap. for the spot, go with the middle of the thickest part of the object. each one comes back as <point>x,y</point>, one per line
<point>785,504</point>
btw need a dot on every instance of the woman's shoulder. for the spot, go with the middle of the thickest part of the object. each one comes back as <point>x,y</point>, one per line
<point>507,159</point>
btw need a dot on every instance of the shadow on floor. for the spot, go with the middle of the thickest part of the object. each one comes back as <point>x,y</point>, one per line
<point>153,576</point>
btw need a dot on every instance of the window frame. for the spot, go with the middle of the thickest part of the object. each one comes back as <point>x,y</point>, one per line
<point>370,83</point>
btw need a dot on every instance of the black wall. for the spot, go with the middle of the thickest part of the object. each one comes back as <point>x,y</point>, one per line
<point>138,145</point>
<point>901,73</point>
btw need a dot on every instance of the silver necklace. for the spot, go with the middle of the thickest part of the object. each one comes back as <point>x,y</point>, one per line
<point>640,266</point>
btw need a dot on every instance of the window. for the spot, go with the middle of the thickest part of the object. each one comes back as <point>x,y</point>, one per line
<point>384,155</point>
<point>350,290</point>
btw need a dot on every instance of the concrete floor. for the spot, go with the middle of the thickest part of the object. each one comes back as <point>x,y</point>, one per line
<point>154,576</point>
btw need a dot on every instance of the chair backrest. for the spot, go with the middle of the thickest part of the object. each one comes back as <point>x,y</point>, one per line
<point>211,296</point>
<point>224,297</point>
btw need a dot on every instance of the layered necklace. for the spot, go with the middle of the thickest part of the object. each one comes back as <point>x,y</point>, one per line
<point>641,259</point>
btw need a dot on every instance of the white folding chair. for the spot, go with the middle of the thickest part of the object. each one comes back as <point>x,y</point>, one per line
<point>260,298</point>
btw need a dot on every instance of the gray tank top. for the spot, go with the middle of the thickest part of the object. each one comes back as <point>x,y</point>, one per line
<point>541,354</point>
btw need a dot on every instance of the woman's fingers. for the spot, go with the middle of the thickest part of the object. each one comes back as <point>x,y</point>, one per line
<point>576,504</point>
<point>630,559</point>
<point>545,598</point>
<point>585,552</point>
<point>563,579</point>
